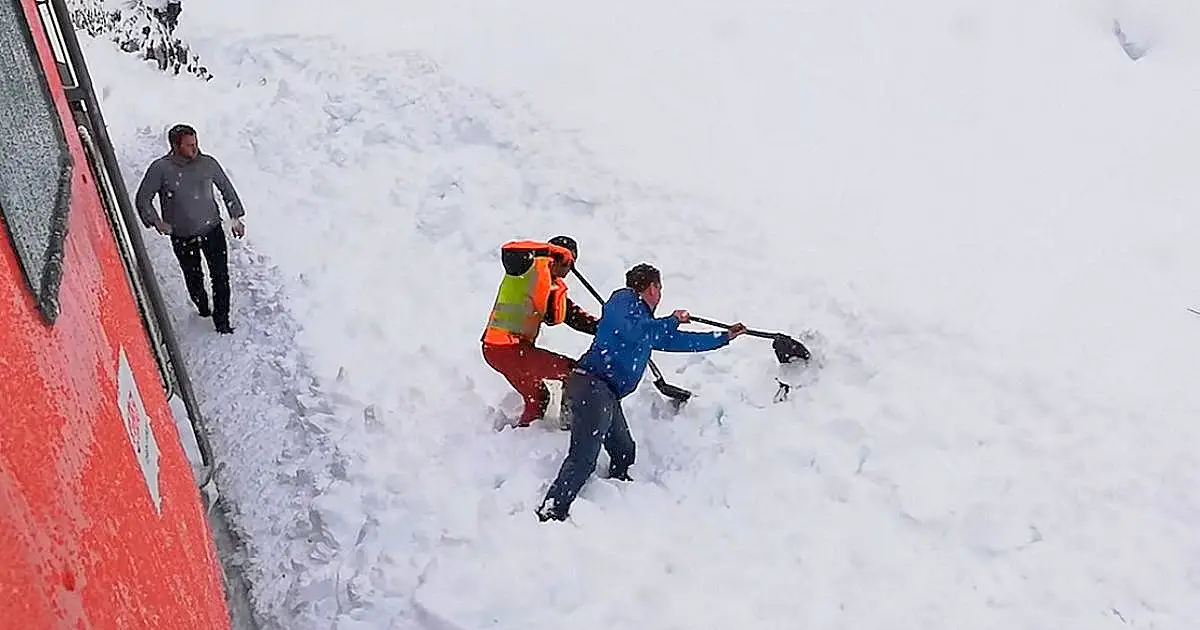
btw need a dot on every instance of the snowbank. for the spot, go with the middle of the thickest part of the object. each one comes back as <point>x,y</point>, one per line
<point>985,210</point>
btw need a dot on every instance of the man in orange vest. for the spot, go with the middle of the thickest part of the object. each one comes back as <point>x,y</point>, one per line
<point>533,293</point>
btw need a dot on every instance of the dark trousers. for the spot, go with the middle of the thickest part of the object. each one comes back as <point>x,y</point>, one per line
<point>596,420</point>
<point>187,251</point>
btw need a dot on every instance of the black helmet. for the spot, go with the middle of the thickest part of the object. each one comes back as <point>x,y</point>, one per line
<point>568,243</point>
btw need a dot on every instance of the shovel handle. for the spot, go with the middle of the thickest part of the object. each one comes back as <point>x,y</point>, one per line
<point>752,333</point>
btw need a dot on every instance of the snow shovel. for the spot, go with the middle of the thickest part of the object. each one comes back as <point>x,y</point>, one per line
<point>678,395</point>
<point>787,349</point>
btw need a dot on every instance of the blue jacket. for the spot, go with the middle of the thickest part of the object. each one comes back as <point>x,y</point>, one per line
<point>626,334</point>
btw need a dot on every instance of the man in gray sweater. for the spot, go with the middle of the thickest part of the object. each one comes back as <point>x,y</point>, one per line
<point>183,180</point>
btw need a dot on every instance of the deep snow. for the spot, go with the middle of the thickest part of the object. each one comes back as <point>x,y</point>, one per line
<point>987,211</point>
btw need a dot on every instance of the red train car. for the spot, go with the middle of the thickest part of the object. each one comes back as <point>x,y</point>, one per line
<point>102,524</point>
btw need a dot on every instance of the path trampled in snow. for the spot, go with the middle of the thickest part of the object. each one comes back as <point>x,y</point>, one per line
<point>1009,454</point>
<point>276,433</point>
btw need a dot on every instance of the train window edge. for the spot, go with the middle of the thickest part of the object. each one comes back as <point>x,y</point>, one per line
<point>36,165</point>
<point>52,274</point>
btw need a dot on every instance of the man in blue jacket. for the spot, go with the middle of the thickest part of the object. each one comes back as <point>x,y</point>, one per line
<point>609,371</point>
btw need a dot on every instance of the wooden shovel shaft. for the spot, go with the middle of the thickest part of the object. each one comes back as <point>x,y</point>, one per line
<point>752,333</point>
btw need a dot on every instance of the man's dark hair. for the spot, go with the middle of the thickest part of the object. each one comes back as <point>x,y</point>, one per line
<point>178,132</point>
<point>641,277</point>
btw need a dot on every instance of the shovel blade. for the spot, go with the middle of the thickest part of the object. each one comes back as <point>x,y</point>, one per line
<point>788,350</point>
<point>675,393</point>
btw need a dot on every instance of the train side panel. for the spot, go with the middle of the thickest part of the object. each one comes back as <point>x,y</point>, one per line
<point>101,525</point>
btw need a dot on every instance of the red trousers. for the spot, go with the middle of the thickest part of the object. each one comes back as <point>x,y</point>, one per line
<point>525,366</point>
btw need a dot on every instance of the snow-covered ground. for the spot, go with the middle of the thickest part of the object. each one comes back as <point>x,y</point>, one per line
<point>986,210</point>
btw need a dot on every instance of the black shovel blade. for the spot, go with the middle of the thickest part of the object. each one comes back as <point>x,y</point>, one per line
<point>788,350</point>
<point>675,393</point>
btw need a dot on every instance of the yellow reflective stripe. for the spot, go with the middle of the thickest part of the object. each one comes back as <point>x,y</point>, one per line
<point>510,317</point>
<point>514,310</point>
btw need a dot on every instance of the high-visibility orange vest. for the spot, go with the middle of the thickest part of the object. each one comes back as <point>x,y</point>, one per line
<point>527,292</point>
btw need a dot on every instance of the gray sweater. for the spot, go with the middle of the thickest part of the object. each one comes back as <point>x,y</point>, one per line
<point>185,194</point>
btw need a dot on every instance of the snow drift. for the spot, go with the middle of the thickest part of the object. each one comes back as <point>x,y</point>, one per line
<point>986,211</point>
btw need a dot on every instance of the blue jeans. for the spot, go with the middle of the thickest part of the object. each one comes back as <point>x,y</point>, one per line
<point>596,419</point>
